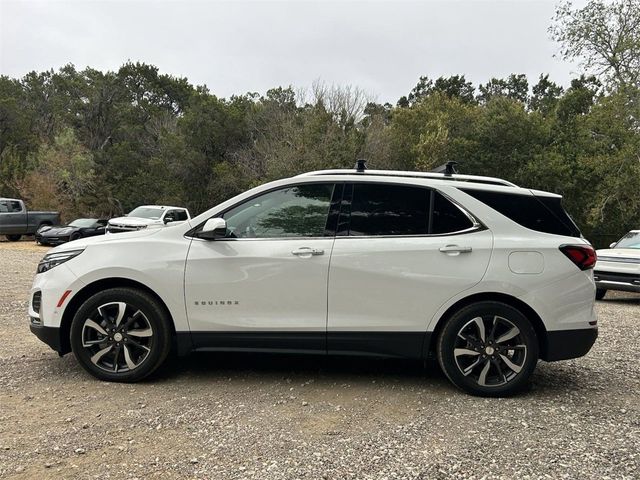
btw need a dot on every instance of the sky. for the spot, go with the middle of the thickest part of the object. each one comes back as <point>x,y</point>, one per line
<point>238,46</point>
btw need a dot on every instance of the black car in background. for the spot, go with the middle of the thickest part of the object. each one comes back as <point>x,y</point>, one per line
<point>80,228</point>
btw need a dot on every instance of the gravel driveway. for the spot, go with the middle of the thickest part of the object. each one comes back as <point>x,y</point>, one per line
<point>232,416</point>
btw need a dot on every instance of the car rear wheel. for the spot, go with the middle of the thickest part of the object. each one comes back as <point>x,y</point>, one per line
<point>488,349</point>
<point>600,293</point>
<point>121,335</point>
<point>13,238</point>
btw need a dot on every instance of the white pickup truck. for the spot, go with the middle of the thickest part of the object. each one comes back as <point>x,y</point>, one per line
<point>148,216</point>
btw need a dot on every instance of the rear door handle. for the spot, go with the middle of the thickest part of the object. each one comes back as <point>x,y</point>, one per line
<point>455,249</point>
<point>307,252</point>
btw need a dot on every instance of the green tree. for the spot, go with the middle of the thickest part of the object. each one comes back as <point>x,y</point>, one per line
<point>604,37</point>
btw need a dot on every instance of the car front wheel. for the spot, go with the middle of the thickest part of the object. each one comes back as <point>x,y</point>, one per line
<point>600,293</point>
<point>121,335</point>
<point>488,349</point>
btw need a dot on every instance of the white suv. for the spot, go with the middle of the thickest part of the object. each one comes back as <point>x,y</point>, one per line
<point>486,276</point>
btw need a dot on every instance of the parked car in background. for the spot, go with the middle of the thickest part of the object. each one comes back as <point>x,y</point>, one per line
<point>16,220</point>
<point>618,267</point>
<point>486,276</point>
<point>79,228</point>
<point>147,216</point>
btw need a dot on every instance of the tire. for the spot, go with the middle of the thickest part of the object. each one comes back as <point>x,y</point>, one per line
<point>600,293</point>
<point>13,238</point>
<point>473,361</point>
<point>103,339</point>
<point>75,236</point>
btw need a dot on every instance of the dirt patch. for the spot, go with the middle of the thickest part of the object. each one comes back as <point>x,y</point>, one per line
<point>282,417</point>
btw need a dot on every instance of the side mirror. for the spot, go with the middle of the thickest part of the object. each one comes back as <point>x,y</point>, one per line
<point>169,218</point>
<point>213,228</point>
<point>613,245</point>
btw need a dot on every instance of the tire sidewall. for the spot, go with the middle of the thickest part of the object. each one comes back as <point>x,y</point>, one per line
<point>447,341</point>
<point>156,316</point>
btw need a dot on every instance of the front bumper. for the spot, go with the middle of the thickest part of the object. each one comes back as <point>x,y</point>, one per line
<point>49,335</point>
<point>52,240</point>
<point>627,282</point>
<point>566,344</point>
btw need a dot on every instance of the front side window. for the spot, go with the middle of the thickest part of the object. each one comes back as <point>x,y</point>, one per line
<point>10,206</point>
<point>175,215</point>
<point>298,211</point>
<point>379,209</point>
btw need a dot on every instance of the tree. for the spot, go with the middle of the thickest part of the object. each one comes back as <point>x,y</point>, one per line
<point>604,37</point>
<point>453,86</point>
<point>544,95</point>
<point>515,87</point>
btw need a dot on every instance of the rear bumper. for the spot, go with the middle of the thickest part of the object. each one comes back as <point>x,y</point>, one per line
<point>49,335</point>
<point>566,344</point>
<point>628,282</point>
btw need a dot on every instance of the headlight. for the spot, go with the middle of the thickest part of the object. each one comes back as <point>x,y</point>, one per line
<point>54,259</point>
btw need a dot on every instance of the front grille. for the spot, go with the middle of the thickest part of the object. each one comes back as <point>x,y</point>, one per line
<point>36,301</point>
<point>618,259</point>
<point>632,278</point>
<point>122,228</point>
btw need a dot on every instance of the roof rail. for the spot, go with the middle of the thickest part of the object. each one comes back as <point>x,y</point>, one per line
<point>400,173</point>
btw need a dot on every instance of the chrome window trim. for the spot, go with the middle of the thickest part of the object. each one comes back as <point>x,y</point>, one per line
<point>476,224</point>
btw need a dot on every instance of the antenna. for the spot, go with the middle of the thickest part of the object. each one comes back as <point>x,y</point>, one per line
<point>361,165</point>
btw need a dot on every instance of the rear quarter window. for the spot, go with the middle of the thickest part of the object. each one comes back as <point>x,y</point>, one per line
<point>542,214</point>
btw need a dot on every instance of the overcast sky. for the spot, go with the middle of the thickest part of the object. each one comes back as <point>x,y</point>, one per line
<point>240,46</point>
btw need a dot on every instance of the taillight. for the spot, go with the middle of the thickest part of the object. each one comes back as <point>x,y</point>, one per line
<point>584,256</point>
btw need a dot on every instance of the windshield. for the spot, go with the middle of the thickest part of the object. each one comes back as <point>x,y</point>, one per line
<point>83,222</point>
<point>146,212</point>
<point>630,240</point>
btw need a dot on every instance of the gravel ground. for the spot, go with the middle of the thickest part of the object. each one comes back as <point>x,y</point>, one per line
<point>232,416</point>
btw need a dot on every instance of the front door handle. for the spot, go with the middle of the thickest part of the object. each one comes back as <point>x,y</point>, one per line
<point>455,249</point>
<point>307,252</point>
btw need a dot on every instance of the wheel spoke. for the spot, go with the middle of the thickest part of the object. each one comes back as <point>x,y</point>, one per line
<point>140,332</point>
<point>122,308</point>
<point>132,319</point>
<point>493,327</point>
<point>96,358</point>
<point>116,356</point>
<point>91,324</point>
<point>136,344</point>
<point>510,364</point>
<point>91,343</point>
<point>127,358</point>
<point>470,368</point>
<point>482,380</point>
<point>481,331</point>
<point>509,335</point>
<point>500,372</point>
<point>464,351</point>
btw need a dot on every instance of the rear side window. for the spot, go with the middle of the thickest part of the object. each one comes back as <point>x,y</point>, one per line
<point>379,209</point>
<point>448,218</point>
<point>542,214</point>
